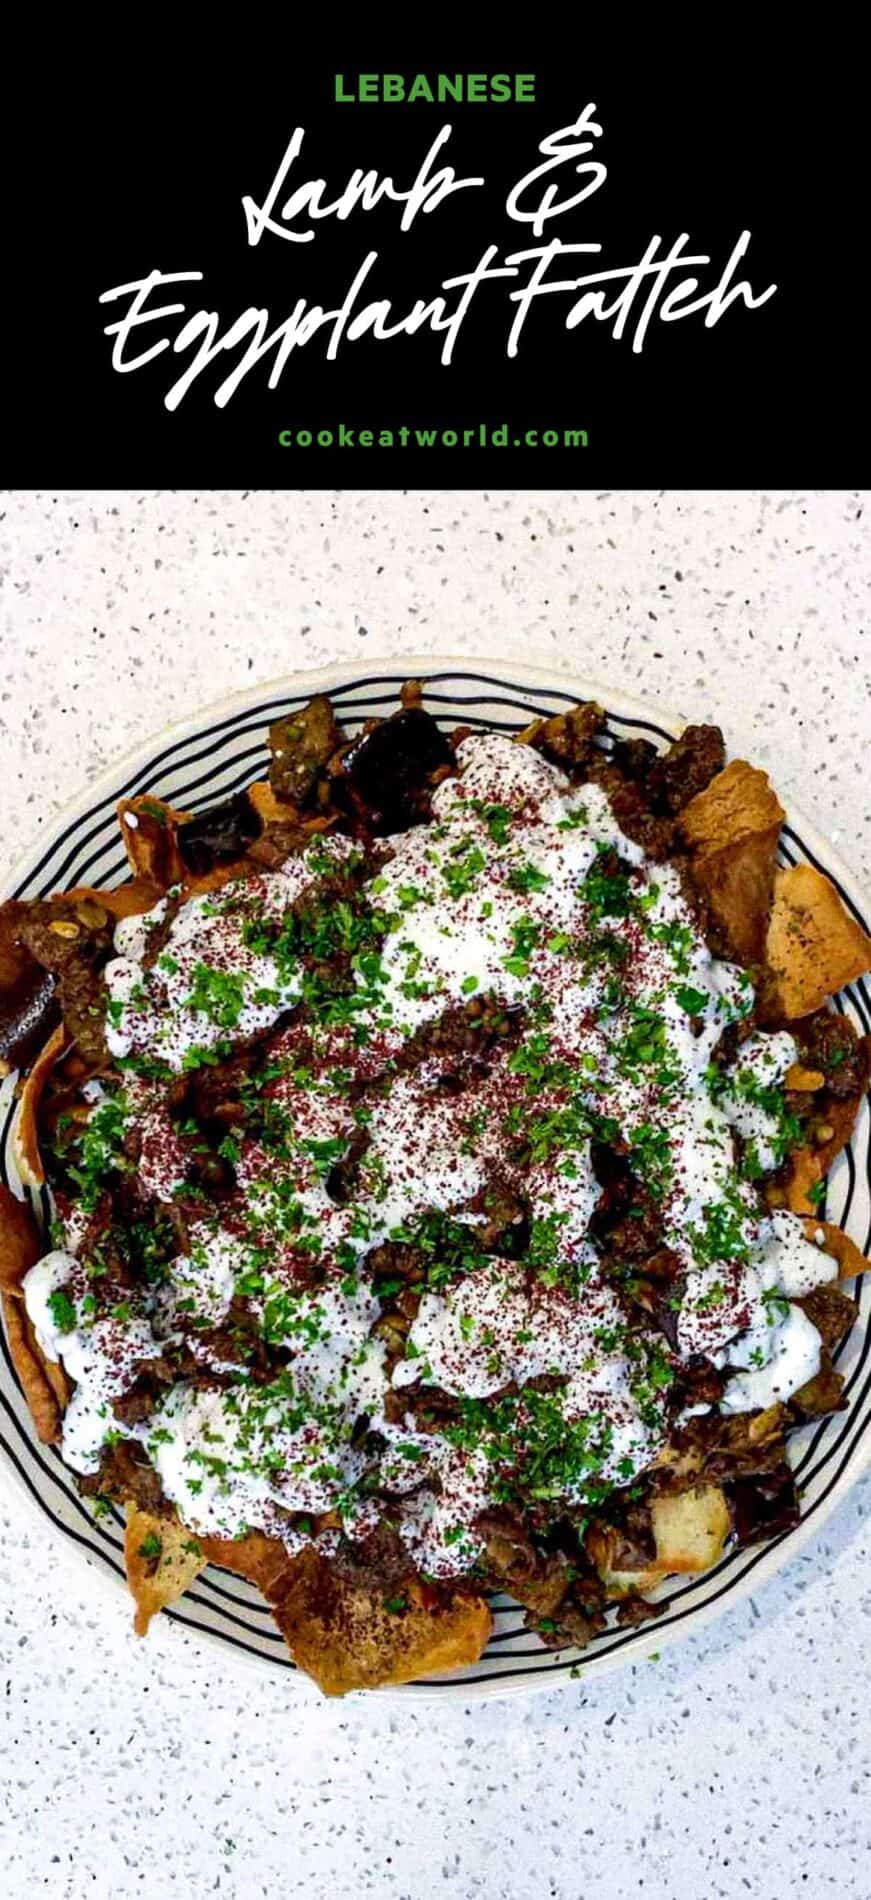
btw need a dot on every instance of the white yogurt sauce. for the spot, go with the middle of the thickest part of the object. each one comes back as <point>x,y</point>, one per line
<point>206,985</point>
<point>762,1063</point>
<point>102,1357</point>
<point>234,1460</point>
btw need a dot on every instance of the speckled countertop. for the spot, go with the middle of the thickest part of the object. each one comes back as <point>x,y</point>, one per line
<point>739,1763</point>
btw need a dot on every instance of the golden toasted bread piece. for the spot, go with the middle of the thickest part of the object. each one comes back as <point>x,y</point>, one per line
<point>161,1558</point>
<point>813,946</point>
<point>732,828</point>
<point>690,1530</point>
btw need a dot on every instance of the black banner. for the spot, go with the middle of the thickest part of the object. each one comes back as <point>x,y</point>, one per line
<point>569,268</point>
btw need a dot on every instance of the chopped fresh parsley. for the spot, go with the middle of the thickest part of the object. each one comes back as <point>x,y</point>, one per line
<point>694,1001</point>
<point>62,1310</point>
<point>462,868</point>
<point>218,994</point>
<point>527,877</point>
<point>100,1151</point>
<point>497,819</point>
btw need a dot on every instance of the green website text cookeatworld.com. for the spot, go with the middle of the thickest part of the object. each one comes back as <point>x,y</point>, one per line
<point>478,435</point>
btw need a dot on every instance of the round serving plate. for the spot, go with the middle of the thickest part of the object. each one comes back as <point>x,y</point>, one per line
<point>222,749</point>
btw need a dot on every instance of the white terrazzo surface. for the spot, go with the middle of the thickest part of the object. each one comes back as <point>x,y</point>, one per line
<point>739,1763</point>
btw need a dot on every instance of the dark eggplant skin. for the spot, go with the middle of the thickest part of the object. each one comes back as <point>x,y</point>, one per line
<point>28,1013</point>
<point>390,769</point>
<point>28,1005</point>
<point>763,1506</point>
<point>217,835</point>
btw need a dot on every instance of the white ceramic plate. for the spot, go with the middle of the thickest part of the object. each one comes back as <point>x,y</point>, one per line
<point>222,749</point>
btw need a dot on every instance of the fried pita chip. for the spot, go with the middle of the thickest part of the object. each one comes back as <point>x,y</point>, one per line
<point>830,1132</point>
<point>25,1128</point>
<point>342,1630</point>
<point>258,1558</point>
<point>127,900</point>
<point>832,1240</point>
<point>148,827</point>
<point>345,1634</point>
<point>20,1244</point>
<point>44,1384</point>
<point>732,828</point>
<point>813,946</point>
<point>799,1188</point>
<point>738,802</point>
<point>737,884</point>
<point>161,1559</point>
<point>277,811</point>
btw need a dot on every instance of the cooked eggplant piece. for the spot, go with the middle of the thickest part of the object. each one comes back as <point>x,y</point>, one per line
<point>628,1544</point>
<point>27,1011</point>
<point>763,1506</point>
<point>27,992</point>
<point>636,1610</point>
<point>567,738</point>
<point>71,937</point>
<point>686,769</point>
<point>829,1044</point>
<point>64,930</point>
<point>218,835</point>
<point>301,746</point>
<point>390,770</point>
<point>822,1394</point>
<point>634,758</point>
<point>830,1310</point>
